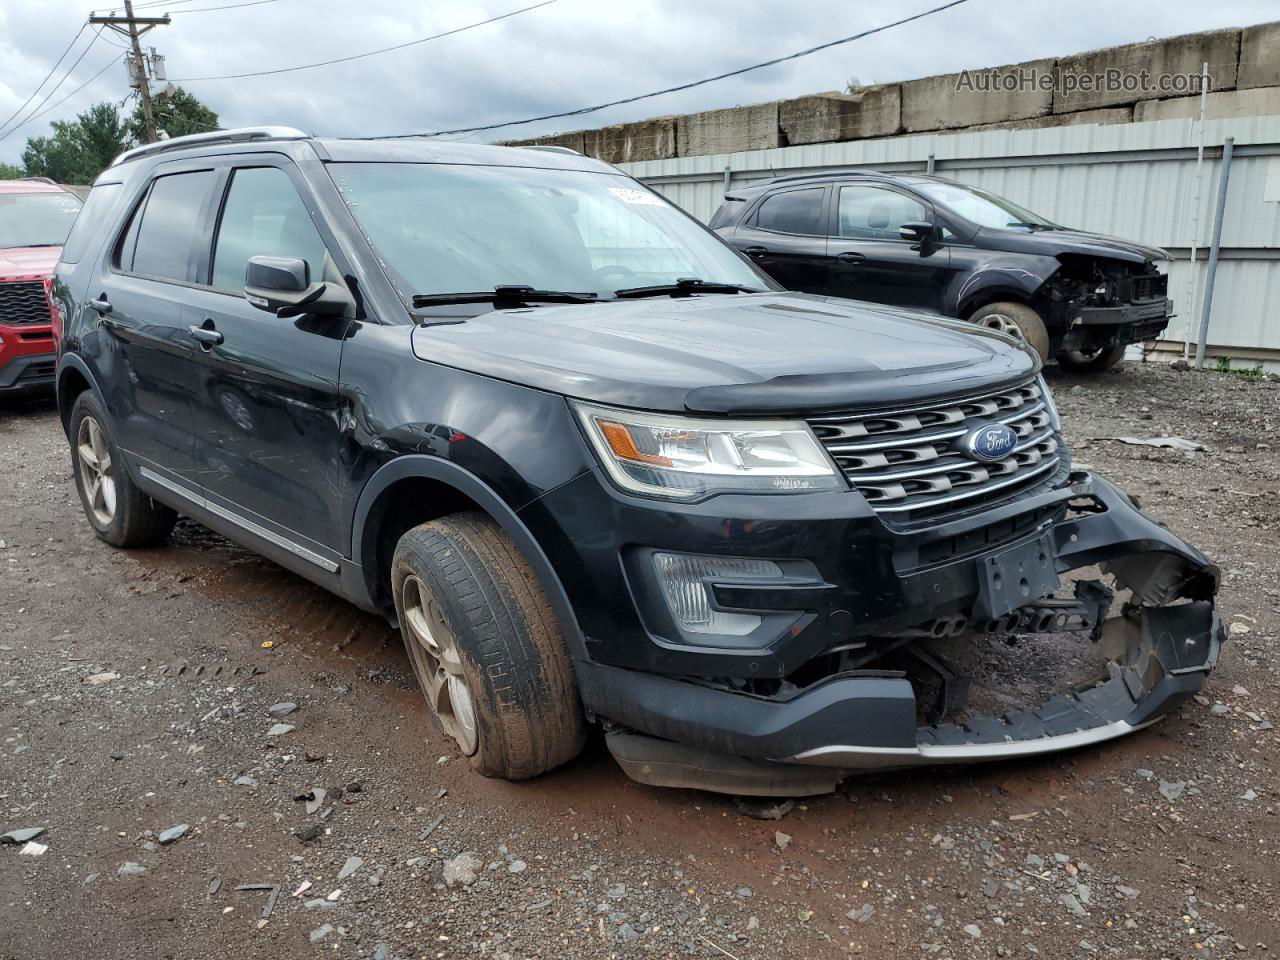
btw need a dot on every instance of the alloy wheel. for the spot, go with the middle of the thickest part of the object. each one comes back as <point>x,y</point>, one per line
<point>438,663</point>
<point>1006,325</point>
<point>97,472</point>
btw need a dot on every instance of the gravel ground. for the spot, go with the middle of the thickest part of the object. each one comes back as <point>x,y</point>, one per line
<point>136,695</point>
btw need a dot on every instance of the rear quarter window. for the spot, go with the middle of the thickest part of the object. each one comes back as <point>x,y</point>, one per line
<point>728,213</point>
<point>98,211</point>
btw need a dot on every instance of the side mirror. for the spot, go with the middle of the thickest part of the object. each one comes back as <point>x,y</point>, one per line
<point>282,285</point>
<point>917,231</point>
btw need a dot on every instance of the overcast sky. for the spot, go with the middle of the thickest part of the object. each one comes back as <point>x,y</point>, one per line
<point>567,55</point>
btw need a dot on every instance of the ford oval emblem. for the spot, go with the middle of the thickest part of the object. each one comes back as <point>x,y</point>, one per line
<point>991,441</point>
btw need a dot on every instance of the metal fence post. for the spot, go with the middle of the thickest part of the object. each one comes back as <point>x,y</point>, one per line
<point>929,167</point>
<point>728,176</point>
<point>1224,175</point>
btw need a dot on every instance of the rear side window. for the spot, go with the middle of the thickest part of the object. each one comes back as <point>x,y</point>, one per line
<point>93,217</point>
<point>263,216</point>
<point>169,223</point>
<point>795,211</point>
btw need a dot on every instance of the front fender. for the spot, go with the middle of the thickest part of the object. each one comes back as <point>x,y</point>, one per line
<point>443,471</point>
<point>1015,276</point>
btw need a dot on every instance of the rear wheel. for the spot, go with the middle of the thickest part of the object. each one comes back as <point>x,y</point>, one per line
<point>1091,361</point>
<point>1018,321</point>
<point>119,512</point>
<point>486,647</point>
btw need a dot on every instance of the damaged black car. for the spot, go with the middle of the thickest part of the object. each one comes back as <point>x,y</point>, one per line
<point>923,241</point>
<point>598,469</point>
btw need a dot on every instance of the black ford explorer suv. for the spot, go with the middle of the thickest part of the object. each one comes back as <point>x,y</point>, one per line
<point>599,469</point>
<point>921,241</point>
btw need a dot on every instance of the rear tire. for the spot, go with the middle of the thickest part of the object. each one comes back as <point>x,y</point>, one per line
<point>1018,321</point>
<point>119,512</point>
<point>1079,361</point>
<point>486,647</point>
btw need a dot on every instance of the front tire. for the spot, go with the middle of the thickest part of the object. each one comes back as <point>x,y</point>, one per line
<point>1018,321</point>
<point>120,513</point>
<point>1080,361</point>
<point>486,647</point>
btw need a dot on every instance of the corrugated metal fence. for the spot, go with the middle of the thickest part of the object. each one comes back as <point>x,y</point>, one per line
<point>1133,180</point>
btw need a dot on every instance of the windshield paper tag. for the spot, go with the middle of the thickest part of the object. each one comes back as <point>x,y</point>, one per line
<point>631,195</point>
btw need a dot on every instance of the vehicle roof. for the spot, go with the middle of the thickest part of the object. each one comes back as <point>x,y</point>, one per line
<point>436,151</point>
<point>31,185</point>
<point>878,176</point>
<point>409,150</point>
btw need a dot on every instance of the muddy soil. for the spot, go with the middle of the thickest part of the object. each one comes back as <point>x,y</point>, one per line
<point>135,690</point>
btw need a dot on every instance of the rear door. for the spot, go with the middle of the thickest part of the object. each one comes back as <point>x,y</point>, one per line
<point>786,236</point>
<point>869,260</point>
<point>139,292</point>
<point>266,409</point>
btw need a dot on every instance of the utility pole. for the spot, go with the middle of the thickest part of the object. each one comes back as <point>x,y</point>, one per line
<point>139,69</point>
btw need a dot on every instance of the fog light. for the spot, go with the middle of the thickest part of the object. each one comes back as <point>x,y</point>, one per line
<point>683,579</point>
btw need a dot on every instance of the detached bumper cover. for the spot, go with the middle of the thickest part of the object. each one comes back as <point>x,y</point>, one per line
<point>1158,655</point>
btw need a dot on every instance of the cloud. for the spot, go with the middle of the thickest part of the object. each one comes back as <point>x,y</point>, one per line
<point>570,54</point>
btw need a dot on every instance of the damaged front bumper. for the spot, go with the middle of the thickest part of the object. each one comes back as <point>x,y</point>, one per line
<point>1158,651</point>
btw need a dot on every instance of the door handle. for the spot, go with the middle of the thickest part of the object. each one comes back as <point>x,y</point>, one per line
<point>756,251</point>
<point>102,304</point>
<point>850,257</point>
<point>207,335</point>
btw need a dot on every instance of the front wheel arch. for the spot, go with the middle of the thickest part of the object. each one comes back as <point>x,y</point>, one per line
<point>376,527</point>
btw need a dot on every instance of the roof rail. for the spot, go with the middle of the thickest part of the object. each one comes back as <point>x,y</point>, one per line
<point>829,173</point>
<point>550,148</point>
<point>41,180</point>
<point>239,135</point>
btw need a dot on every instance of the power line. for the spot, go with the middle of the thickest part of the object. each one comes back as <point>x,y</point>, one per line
<point>51,72</point>
<point>373,53</point>
<point>54,89</point>
<point>230,6</point>
<point>676,89</point>
<point>110,63</point>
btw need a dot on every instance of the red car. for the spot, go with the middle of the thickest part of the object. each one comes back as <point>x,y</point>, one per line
<point>35,217</point>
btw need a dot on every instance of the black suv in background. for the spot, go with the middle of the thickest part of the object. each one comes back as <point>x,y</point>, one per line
<point>919,241</point>
<point>599,469</point>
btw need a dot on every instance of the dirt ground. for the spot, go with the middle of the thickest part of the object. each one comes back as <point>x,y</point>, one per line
<point>1166,844</point>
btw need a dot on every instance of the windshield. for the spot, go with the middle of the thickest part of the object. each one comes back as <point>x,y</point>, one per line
<point>442,228</point>
<point>36,219</point>
<point>984,209</point>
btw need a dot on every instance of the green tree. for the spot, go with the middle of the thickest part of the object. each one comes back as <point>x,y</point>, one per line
<point>177,113</point>
<point>9,172</point>
<point>80,149</point>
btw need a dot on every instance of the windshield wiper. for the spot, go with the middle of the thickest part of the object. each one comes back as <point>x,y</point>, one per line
<point>504,295</point>
<point>1030,225</point>
<point>684,287</point>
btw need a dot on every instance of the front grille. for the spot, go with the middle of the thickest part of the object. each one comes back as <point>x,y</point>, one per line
<point>910,463</point>
<point>23,303</point>
<point>1150,286</point>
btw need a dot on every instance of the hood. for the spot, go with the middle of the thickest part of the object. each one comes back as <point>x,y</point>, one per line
<point>1065,240</point>
<point>767,353</point>
<point>27,262</point>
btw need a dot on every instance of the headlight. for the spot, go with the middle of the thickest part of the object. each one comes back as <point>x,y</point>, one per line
<point>664,455</point>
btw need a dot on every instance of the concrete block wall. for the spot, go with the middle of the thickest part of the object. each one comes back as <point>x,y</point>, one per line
<point>937,103</point>
<point>1244,67</point>
<point>826,117</point>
